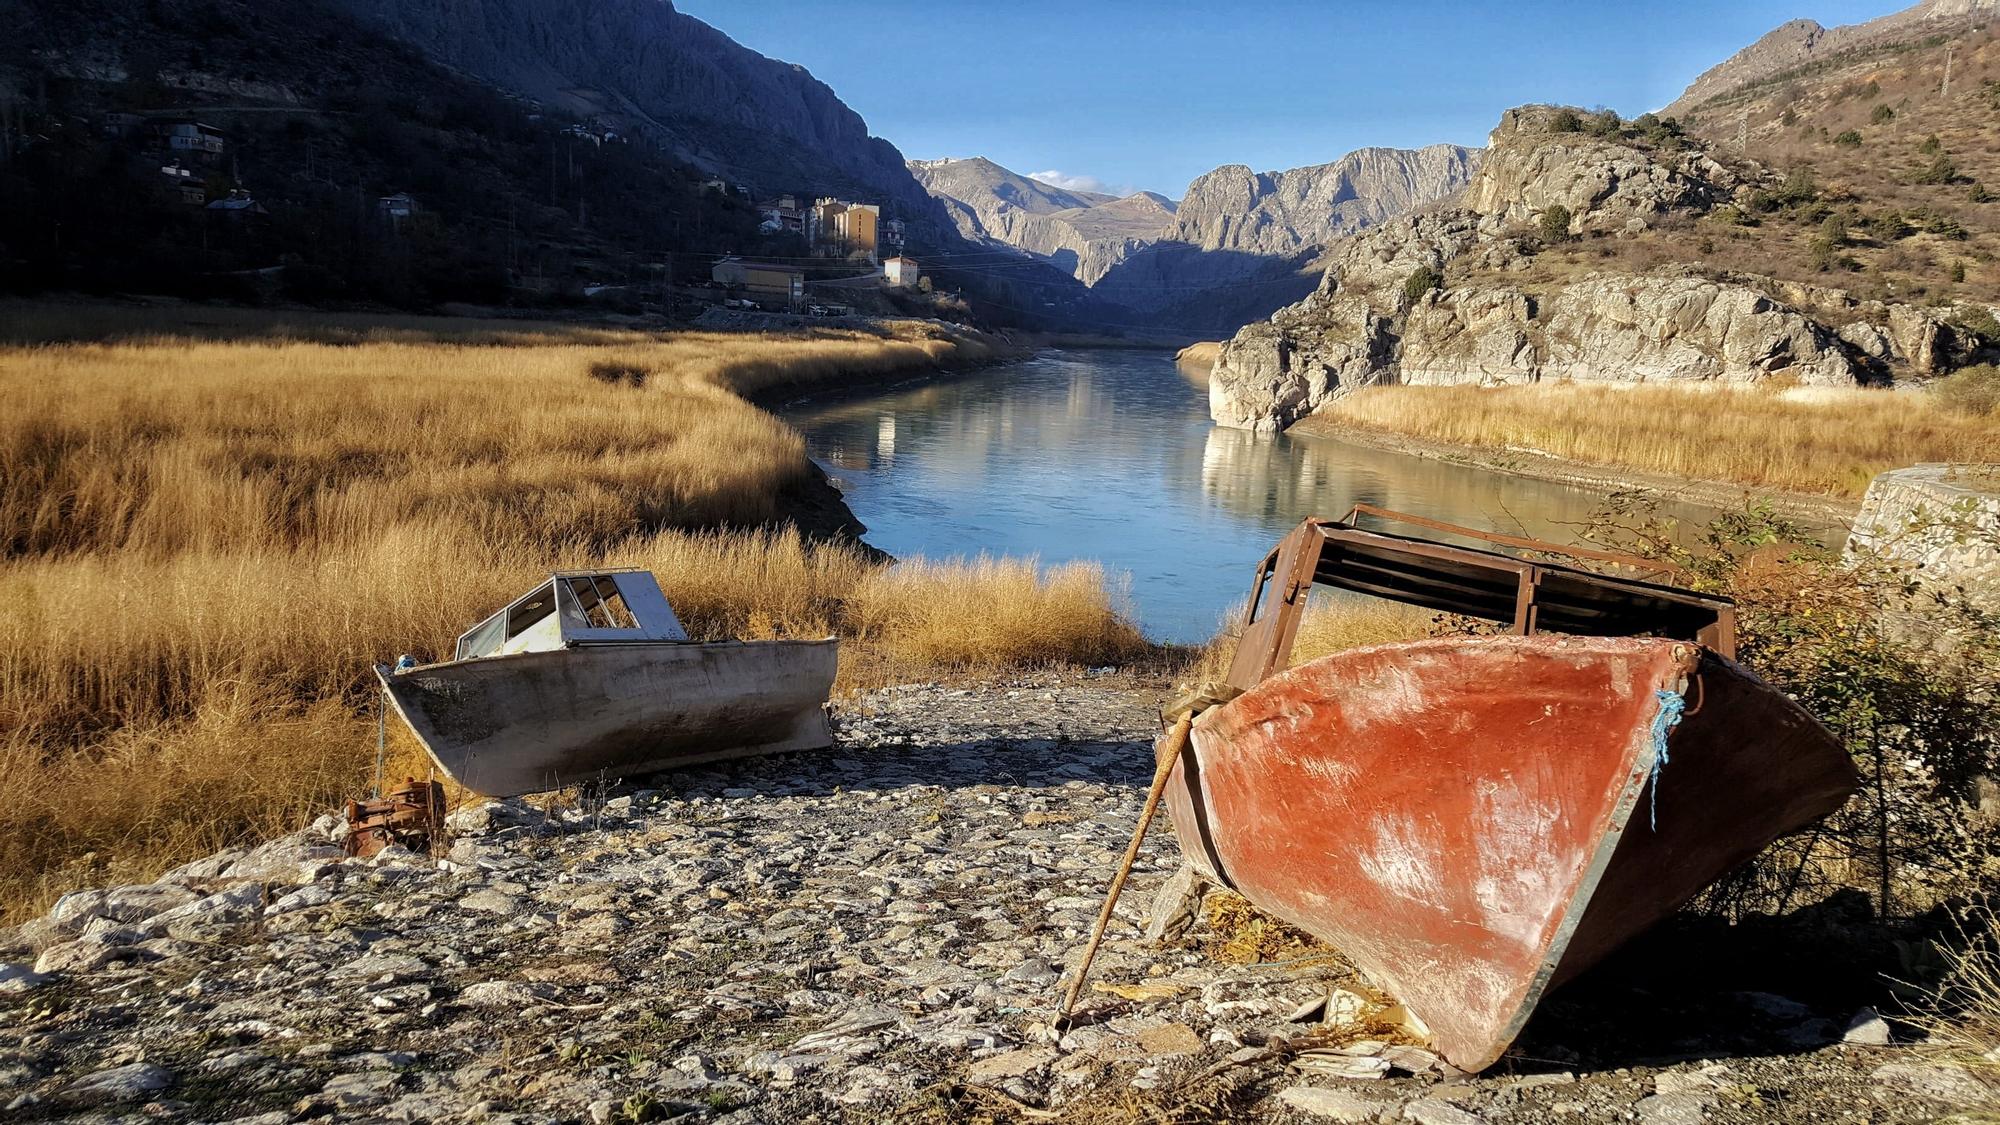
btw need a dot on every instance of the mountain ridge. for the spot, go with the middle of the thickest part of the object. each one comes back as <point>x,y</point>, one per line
<point>1231,249</point>
<point>1802,42</point>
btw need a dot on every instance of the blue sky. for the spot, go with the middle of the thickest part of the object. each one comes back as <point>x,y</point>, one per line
<point>1133,94</point>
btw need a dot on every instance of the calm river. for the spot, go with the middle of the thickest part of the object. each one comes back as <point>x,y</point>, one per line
<point>1109,455</point>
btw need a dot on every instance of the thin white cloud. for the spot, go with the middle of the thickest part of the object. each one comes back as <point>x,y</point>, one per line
<point>1068,182</point>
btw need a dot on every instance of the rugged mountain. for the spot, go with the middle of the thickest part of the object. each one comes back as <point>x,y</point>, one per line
<point>1244,243</point>
<point>722,106</point>
<point>1082,233</point>
<point>477,108</point>
<point>1279,214</point>
<point>990,190</point>
<point>765,124</point>
<point>1801,43</point>
<point>1558,262</point>
<point>1238,245</point>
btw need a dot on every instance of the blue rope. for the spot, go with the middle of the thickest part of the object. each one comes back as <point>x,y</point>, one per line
<point>1671,706</point>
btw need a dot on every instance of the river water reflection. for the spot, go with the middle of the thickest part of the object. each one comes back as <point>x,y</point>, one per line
<point>1109,455</point>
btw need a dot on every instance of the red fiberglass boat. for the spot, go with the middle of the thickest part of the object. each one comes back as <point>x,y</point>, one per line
<point>1475,820</point>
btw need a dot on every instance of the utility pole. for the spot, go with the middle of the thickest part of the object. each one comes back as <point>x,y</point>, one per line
<point>1945,92</point>
<point>1743,131</point>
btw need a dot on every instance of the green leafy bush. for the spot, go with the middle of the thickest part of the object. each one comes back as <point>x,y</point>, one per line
<point>1421,281</point>
<point>1554,223</point>
<point>1979,321</point>
<point>1941,170</point>
<point>1848,139</point>
<point>1901,674</point>
<point>1566,121</point>
<point>1883,114</point>
<point>1888,226</point>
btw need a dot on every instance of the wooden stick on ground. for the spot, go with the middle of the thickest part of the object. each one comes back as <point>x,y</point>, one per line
<point>1168,753</point>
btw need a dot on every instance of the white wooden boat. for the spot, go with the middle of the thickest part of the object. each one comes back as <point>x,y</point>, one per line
<point>590,675</point>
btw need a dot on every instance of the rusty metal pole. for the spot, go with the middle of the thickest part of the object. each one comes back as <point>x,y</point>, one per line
<point>381,737</point>
<point>1163,767</point>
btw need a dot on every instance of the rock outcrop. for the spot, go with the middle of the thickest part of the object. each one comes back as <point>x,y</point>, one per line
<point>1531,167</point>
<point>1473,322</point>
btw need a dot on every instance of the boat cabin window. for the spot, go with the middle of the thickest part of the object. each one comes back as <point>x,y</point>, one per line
<point>571,609</point>
<point>600,602</point>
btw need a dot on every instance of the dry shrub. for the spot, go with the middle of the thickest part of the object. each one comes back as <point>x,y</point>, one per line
<point>1832,442</point>
<point>1332,623</point>
<point>993,613</point>
<point>1240,935</point>
<point>1903,675</point>
<point>1974,391</point>
<point>1961,1015</point>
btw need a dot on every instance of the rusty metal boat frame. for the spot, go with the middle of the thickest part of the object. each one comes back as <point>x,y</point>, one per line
<point>1457,815</point>
<point>1532,597</point>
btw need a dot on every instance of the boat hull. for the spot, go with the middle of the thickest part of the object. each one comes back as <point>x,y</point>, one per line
<point>1472,821</point>
<point>535,721</point>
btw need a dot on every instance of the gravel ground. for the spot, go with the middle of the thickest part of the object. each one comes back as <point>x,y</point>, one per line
<point>874,933</point>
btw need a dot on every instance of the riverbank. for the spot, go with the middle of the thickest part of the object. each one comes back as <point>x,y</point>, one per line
<point>1809,451</point>
<point>1722,495</point>
<point>214,522</point>
<point>877,933</point>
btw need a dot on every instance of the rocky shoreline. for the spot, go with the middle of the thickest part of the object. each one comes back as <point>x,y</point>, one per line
<point>874,933</point>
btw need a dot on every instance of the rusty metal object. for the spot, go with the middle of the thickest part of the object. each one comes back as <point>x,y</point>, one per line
<point>412,816</point>
<point>1475,820</point>
<point>1531,597</point>
<point>1646,565</point>
<point>1165,755</point>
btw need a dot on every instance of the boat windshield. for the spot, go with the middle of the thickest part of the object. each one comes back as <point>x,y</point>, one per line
<point>601,607</point>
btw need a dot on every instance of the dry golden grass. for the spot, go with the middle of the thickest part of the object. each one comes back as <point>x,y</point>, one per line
<point>1961,1016</point>
<point>208,543</point>
<point>1331,624</point>
<point>1201,355</point>
<point>1239,934</point>
<point>1830,442</point>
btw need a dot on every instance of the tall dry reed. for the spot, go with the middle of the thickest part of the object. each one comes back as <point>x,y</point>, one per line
<point>1803,439</point>
<point>207,543</point>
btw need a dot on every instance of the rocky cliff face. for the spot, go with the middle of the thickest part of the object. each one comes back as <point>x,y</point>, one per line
<point>1279,214</point>
<point>1232,250</point>
<point>1495,317</point>
<point>1800,42</point>
<point>757,120</point>
<point>1082,233</point>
